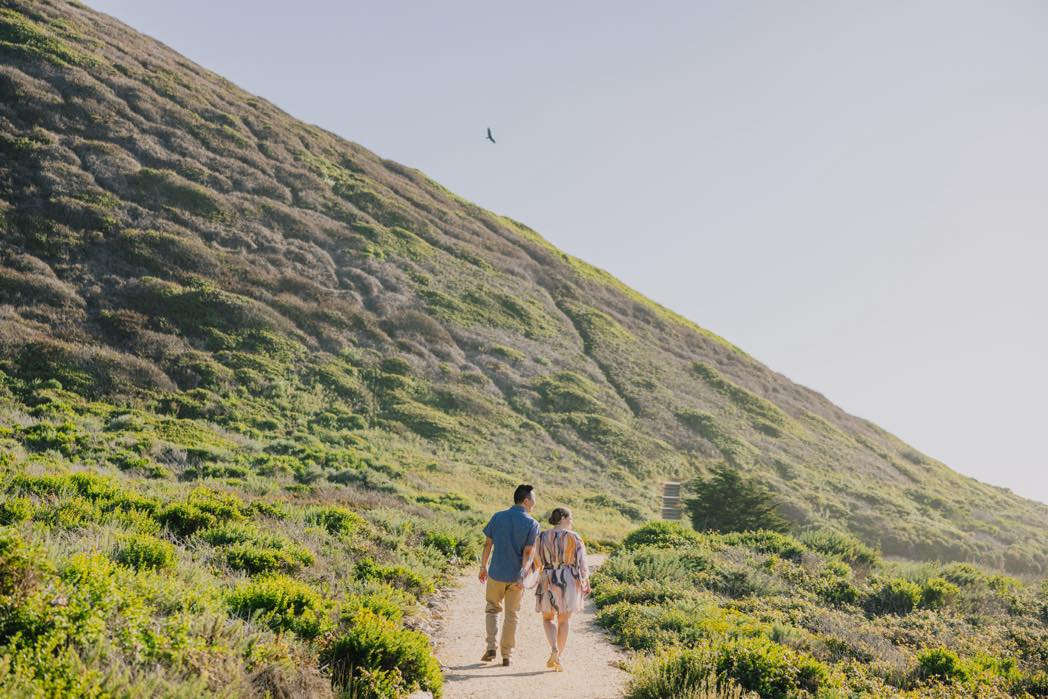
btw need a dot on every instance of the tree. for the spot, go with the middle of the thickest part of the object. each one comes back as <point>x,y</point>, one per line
<point>727,502</point>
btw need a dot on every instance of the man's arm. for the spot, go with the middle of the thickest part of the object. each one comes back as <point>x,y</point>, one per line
<point>525,559</point>
<point>483,575</point>
<point>529,548</point>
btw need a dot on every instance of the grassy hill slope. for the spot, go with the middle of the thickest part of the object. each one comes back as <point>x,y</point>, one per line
<point>172,240</point>
<point>218,323</point>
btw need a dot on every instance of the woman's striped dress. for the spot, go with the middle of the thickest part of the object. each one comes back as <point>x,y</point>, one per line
<point>562,559</point>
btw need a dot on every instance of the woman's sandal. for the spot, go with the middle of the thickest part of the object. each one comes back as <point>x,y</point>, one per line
<point>554,662</point>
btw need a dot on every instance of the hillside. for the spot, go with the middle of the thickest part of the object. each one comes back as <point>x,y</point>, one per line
<point>242,334</point>
<point>170,238</point>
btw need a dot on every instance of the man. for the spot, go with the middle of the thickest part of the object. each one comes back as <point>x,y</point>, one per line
<point>512,533</point>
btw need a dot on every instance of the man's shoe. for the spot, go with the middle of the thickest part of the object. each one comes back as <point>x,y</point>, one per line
<point>488,656</point>
<point>505,662</point>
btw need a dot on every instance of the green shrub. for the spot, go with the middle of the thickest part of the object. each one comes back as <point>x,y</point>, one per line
<point>16,509</point>
<point>69,513</point>
<point>282,604</point>
<point>183,518</point>
<point>398,576</point>
<point>276,510</point>
<point>383,599</point>
<point>226,534</point>
<point>838,591</point>
<point>444,542</point>
<point>145,552</point>
<point>606,591</point>
<point>937,593</point>
<point>663,535</point>
<point>339,521</point>
<point>681,674</point>
<point>256,552</point>
<point>940,664</point>
<point>894,596</point>
<point>446,501</point>
<point>201,510</point>
<point>964,575</point>
<point>768,542</point>
<point>843,546</point>
<point>376,684</point>
<point>371,643</point>
<point>772,670</point>
<point>63,437</point>
<point>1035,684</point>
<point>18,569</point>
<point>256,558</point>
<point>452,545</point>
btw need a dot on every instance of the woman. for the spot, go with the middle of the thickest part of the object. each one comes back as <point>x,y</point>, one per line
<point>563,581</point>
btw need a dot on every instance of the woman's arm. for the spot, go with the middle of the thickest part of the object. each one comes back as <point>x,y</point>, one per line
<point>583,566</point>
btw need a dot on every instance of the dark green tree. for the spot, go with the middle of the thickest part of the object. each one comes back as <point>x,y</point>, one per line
<point>728,502</point>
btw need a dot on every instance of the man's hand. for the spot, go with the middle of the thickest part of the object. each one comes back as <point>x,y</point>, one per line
<point>483,574</point>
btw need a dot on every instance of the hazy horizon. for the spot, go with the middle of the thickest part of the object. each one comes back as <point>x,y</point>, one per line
<point>853,194</point>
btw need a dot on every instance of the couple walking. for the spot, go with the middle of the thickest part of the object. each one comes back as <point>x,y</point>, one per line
<point>553,562</point>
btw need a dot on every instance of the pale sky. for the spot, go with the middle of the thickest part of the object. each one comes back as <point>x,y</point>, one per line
<point>856,193</point>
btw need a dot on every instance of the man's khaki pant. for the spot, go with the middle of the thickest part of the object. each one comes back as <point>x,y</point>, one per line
<point>498,595</point>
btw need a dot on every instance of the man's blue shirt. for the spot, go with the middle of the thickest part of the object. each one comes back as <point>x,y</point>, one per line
<point>512,531</point>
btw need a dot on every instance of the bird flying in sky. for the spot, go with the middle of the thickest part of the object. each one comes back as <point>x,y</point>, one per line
<point>490,137</point>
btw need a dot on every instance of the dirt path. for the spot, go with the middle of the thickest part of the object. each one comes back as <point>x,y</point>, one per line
<point>590,670</point>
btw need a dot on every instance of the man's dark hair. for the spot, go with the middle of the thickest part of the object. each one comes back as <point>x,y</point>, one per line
<point>522,493</point>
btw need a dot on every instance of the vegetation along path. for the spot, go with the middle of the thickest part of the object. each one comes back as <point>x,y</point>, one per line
<point>590,662</point>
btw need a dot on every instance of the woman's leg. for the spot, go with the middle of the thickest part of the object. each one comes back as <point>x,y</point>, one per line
<point>550,629</point>
<point>563,626</point>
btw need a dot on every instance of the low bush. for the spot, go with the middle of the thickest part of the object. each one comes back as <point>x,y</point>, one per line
<point>453,545</point>
<point>63,437</point>
<point>382,599</point>
<point>338,521</point>
<point>201,510</point>
<point>681,674</point>
<point>16,509</point>
<point>371,642</point>
<point>770,669</point>
<point>894,596</point>
<point>255,558</point>
<point>69,513</point>
<point>768,542</point>
<point>843,546</point>
<point>663,535</point>
<point>145,552</point>
<point>183,518</point>
<point>838,591</point>
<point>18,569</point>
<point>282,604</point>
<point>397,576</point>
<point>940,664</point>
<point>937,593</point>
